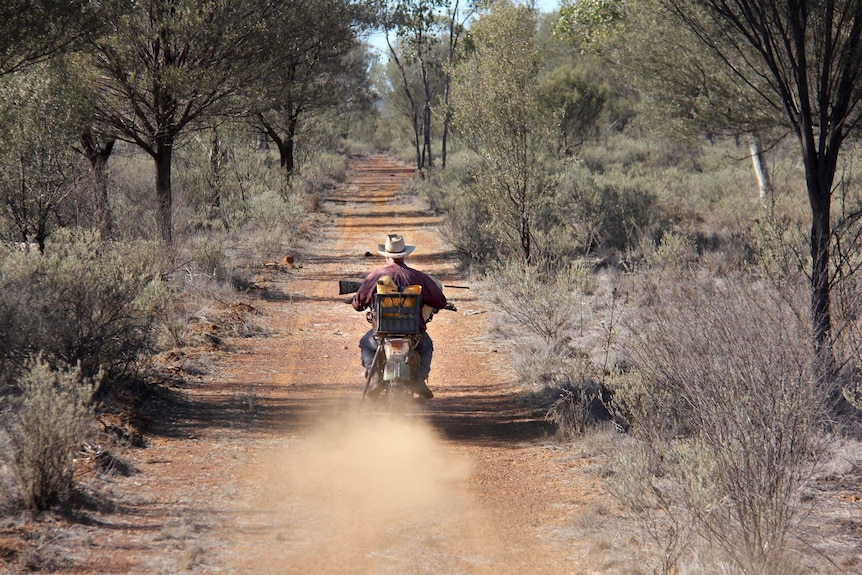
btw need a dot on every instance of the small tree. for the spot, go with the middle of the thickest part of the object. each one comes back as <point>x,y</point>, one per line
<point>39,167</point>
<point>165,65</point>
<point>318,67</point>
<point>498,113</point>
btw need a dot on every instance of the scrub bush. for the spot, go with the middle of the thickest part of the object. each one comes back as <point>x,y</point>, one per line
<point>728,417</point>
<point>46,424</point>
<point>77,304</point>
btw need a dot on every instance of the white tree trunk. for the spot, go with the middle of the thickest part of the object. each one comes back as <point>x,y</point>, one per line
<point>760,170</point>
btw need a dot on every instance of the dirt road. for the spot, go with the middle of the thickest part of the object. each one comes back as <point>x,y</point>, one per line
<point>467,484</point>
<point>271,470</point>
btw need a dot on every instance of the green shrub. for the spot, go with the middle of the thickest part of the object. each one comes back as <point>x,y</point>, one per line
<point>672,252</point>
<point>546,304</point>
<point>47,423</point>
<point>273,210</point>
<point>77,302</point>
<point>210,259</point>
<point>615,154</point>
<point>780,249</point>
<point>578,406</point>
<point>610,211</point>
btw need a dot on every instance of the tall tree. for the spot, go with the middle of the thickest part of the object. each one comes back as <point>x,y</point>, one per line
<point>498,112</point>
<point>318,66</point>
<point>416,26</point>
<point>166,65</point>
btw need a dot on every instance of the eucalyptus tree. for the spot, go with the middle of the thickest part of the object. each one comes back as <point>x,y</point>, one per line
<point>497,110</point>
<point>417,26</point>
<point>797,62</point>
<point>165,66</point>
<point>317,65</point>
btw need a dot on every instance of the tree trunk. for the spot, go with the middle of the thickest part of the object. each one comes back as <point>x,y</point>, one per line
<point>98,156</point>
<point>819,174</point>
<point>445,135</point>
<point>284,146</point>
<point>764,184</point>
<point>287,151</point>
<point>163,159</point>
<point>426,128</point>
<point>216,160</point>
<point>821,236</point>
<point>285,155</point>
<point>428,160</point>
<point>419,159</point>
<point>447,84</point>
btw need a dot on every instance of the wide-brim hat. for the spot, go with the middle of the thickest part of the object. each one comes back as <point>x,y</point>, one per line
<point>395,247</point>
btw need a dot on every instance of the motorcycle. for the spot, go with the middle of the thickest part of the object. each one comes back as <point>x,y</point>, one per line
<point>396,361</point>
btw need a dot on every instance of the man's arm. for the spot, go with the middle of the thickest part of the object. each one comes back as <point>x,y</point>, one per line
<point>364,296</point>
<point>431,294</point>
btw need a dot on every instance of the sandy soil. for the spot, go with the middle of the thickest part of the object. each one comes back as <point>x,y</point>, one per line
<point>269,467</point>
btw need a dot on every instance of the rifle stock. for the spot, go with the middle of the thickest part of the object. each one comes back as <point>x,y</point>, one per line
<point>347,286</point>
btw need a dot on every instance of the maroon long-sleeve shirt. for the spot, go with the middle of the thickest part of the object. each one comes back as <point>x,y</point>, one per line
<point>402,276</point>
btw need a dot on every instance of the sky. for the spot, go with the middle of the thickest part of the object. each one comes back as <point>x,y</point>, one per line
<point>548,5</point>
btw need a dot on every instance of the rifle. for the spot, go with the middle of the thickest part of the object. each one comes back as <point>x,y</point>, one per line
<point>350,286</point>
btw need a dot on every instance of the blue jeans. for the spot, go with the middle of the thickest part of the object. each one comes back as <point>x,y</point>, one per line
<point>425,349</point>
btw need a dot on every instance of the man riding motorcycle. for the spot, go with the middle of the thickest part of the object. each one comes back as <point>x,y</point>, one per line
<point>395,250</point>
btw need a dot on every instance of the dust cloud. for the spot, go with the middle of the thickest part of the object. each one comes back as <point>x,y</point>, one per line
<point>369,495</point>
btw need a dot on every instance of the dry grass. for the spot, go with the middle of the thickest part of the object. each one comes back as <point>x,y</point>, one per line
<point>728,420</point>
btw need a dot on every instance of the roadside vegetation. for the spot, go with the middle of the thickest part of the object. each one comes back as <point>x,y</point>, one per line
<point>671,247</point>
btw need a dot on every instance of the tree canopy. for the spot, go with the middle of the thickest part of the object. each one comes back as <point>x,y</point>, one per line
<point>32,31</point>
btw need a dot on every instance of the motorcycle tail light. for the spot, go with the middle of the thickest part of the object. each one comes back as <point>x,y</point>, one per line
<point>396,347</point>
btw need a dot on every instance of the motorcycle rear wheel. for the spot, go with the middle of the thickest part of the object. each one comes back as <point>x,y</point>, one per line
<point>398,396</point>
